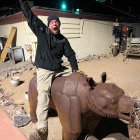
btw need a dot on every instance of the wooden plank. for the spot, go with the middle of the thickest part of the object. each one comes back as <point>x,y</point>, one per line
<point>8,43</point>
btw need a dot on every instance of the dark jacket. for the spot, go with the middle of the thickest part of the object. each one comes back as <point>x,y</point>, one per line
<point>50,47</point>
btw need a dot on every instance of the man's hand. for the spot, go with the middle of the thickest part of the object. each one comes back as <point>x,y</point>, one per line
<point>25,7</point>
<point>79,71</point>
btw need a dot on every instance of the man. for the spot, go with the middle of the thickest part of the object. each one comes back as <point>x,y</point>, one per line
<point>51,46</point>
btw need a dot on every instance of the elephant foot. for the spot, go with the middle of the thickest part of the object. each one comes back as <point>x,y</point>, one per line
<point>90,137</point>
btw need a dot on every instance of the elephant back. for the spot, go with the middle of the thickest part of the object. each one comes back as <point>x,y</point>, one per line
<point>69,85</point>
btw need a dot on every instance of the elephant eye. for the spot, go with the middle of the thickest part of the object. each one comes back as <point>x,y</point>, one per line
<point>113,101</point>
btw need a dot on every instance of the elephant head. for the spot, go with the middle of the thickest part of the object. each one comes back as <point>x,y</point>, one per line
<point>108,100</point>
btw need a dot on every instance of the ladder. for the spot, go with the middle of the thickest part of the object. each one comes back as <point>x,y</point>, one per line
<point>8,43</point>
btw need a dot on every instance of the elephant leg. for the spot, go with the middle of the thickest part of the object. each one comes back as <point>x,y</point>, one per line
<point>69,112</point>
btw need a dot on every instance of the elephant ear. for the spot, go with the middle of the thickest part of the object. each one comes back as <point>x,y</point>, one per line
<point>91,82</point>
<point>103,77</point>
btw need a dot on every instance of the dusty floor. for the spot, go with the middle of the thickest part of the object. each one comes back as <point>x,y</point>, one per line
<point>125,74</point>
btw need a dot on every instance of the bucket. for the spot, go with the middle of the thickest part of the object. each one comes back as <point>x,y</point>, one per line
<point>15,81</point>
<point>17,54</point>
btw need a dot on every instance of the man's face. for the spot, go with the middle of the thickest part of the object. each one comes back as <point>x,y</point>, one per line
<point>54,26</point>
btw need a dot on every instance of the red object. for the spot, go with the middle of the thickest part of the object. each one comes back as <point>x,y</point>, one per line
<point>7,129</point>
<point>124,28</point>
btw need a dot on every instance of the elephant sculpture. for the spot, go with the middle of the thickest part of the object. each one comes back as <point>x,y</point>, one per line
<point>81,103</point>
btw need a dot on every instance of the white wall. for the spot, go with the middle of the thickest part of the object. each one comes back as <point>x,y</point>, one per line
<point>87,37</point>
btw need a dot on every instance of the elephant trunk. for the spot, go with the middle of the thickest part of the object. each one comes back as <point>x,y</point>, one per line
<point>125,105</point>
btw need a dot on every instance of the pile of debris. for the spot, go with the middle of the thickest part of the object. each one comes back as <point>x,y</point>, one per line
<point>10,69</point>
<point>15,111</point>
<point>88,58</point>
<point>134,124</point>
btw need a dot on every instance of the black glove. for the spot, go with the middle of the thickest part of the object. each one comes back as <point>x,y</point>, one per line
<point>25,7</point>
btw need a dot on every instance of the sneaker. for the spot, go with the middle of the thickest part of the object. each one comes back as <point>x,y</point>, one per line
<point>43,130</point>
<point>38,135</point>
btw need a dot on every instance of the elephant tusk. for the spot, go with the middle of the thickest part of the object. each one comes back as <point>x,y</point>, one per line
<point>123,117</point>
<point>124,121</point>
